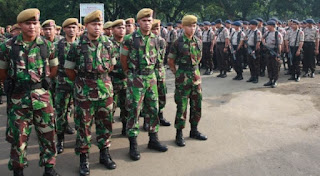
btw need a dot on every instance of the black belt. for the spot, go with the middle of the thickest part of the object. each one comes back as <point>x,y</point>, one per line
<point>118,75</point>
<point>20,87</point>
<point>143,72</point>
<point>309,42</point>
<point>188,67</point>
<point>89,75</point>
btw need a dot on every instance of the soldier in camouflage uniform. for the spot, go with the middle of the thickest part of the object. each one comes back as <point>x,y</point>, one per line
<point>119,80</point>
<point>186,53</point>
<point>88,63</point>
<point>139,55</point>
<point>130,27</point>
<point>29,62</point>
<point>272,41</point>
<point>160,74</point>
<point>64,86</point>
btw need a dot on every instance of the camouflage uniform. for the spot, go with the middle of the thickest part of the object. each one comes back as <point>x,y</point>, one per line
<point>161,77</point>
<point>93,90</point>
<point>119,82</point>
<point>142,81</point>
<point>64,88</point>
<point>187,55</point>
<point>29,103</point>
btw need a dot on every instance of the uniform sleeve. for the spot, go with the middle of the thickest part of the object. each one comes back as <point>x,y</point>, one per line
<point>280,38</point>
<point>317,34</point>
<point>53,59</point>
<point>301,36</point>
<point>259,36</point>
<point>242,36</point>
<point>125,46</point>
<point>226,33</point>
<point>286,37</point>
<point>3,57</point>
<point>173,50</point>
<point>113,54</point>
<point>70,62</point>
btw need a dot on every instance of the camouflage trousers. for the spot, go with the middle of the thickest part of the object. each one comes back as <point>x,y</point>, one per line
<point>273,66</point>
<point>162,91</point>
<point>85,111</point>
<point>63,105</point>
<point>19,126</point>
<point>185,90</point>
<point>142,91</point>
<point>119,100</point>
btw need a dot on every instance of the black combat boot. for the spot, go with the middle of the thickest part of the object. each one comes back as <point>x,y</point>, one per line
<point>195,134</point>
<point>262,73</point>
<point>268,83</point>
<point>133,152</point>
<point>250,79</point>
<point>124,130</point>
<point>236,77</point>
<point>220,74</point>
<point>106,159</point>
<point>179,139</point>
<point>84,164</point>
<point>155,144</point>
<point>69,130</point>
<point>255,80</point>
<point>274,83</point>
<point>17,172</point>
<point>60,143</point>
<point>240,77</point>
<point>146,125</point>
<point>49,171</point>
<point>163,121</point>
<point>224,75</point>
<point>292,77</point>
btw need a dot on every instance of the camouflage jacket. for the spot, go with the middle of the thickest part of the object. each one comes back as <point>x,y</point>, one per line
<point>160,70</point>
<point>28,69</point>
<point>92,58</point>
<point>146,57</point>
<point>187,55</point>
<point>62,50</point>
<point>119,79</point>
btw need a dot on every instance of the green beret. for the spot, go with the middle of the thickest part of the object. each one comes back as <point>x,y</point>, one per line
<point>28,14</point>
<point>130,21</point>
<point>107,24</point>
<point>48,23</point>
<point>69,21</point>
<point>156,23</point>
<point>95,16</point>
<point>119,22</point>
<point>189,19</point>
<point>146,12</point>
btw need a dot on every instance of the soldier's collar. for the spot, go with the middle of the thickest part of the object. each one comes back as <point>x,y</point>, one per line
<point>138,33</point>
<point>19,41</point>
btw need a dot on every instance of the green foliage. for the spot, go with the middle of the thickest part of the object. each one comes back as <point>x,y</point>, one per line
<point>168,10</point>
